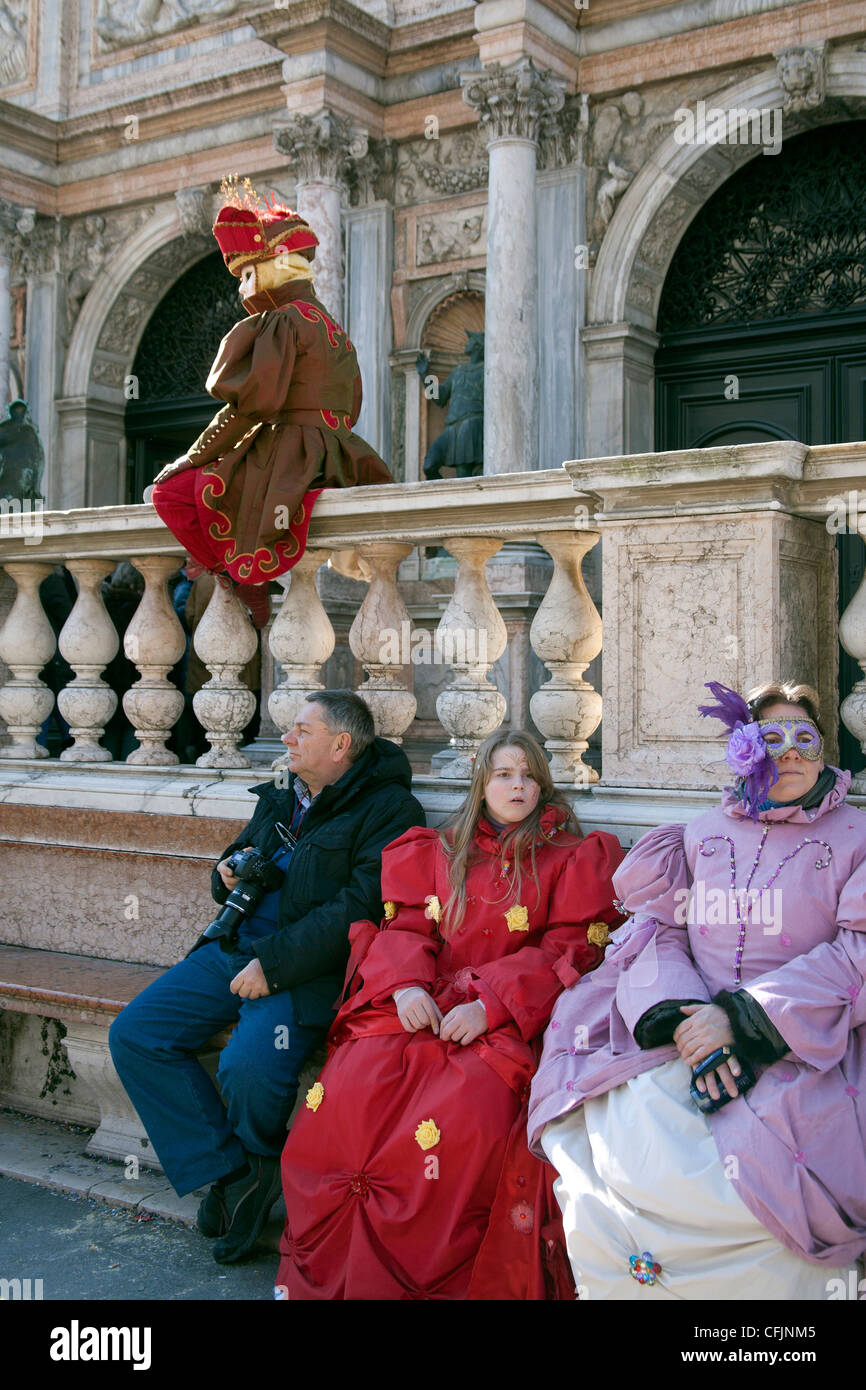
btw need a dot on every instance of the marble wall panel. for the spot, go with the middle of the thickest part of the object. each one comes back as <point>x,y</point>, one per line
<point>738,599</point>
<point>369,237</point>
<point>115,885</point>
<point>561,290</point>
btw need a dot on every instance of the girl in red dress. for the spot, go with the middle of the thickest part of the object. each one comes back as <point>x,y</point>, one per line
<point>407,1174</point>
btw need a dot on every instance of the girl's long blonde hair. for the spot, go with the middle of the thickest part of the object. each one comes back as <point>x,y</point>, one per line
<point>457,834</point>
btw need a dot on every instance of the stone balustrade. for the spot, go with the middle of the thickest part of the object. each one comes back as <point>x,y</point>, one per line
<point>470,518</point>
<point>717,564</point>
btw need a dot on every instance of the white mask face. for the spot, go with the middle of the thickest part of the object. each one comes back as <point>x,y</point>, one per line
<point>248,281</point>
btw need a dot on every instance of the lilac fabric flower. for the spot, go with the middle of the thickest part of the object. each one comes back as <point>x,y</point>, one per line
<point>746,749</point>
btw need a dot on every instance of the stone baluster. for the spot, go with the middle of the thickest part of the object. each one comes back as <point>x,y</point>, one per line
<point>470,637</point>
<point>88,641</point>
<point>302,639</point>
<point>26,643</point>
<point>377,638</point>
<point>154,641</point>
<point>226,640</point>
<point>852,635</point>
<point>566,635</point>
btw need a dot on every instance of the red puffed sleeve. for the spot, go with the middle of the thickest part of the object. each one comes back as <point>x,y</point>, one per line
<point>523,986</point>
<point>404,950</point>
<point>253,368</point>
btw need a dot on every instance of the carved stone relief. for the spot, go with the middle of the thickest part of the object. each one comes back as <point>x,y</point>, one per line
<point>122,22</point>
<point>14,39</point>
<point>451,236</point>
<point>802,74</point>
<point>622,134</point>
<point>447,165</point>
<point>664,231</point>
<point>87,244</point>
<point>195,211</point>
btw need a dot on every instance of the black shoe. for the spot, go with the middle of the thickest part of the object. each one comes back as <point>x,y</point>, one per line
<point>212,1217</point>
<point>248,1204</point>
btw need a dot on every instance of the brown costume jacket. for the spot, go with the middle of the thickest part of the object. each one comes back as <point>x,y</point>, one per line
<point>292,387</point>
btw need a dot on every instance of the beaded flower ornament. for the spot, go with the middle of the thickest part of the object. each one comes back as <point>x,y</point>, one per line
<point>747,753</point>
<point>644,1268</point>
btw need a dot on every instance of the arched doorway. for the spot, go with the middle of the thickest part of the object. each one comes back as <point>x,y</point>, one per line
<point>171,365</point>
<point>763,318</point>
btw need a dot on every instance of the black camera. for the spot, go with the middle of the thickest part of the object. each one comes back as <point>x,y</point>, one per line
<point>258,876</point>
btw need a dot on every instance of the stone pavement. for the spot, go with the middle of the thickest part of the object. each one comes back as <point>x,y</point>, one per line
<point>88,1231</point>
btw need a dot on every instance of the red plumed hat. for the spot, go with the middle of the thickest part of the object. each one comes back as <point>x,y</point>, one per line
<point>248,229</point>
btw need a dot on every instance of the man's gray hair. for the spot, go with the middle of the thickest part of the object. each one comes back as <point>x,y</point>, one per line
<point>344,712</point>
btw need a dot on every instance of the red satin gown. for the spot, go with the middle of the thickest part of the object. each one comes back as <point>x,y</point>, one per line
<point>467,1212</point>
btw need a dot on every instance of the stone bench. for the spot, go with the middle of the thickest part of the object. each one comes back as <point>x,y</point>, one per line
<point>86,994</point>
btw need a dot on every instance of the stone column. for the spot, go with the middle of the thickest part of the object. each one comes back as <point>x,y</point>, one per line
<point>89,642</point>
<point>226,640</point>
<point>566,635</point>
<point>375,639</point>
<point>301,640</point>
<point>154,641</point>
<point>320,148</point>
<point>512,103</point>
<point>471,636</point>
<point>26,643</point>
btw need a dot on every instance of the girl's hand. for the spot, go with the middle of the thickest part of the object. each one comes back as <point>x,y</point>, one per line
<point>464,1023</point>
<point>705,1029</point>
<point>416,1009</point>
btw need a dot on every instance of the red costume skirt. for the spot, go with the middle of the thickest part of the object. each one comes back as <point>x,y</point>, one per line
<point>373,1215</point>
<point>178,501</point>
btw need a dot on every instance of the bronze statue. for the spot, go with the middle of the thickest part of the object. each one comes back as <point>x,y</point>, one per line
<point>461,443</point>
<point>21,456</point>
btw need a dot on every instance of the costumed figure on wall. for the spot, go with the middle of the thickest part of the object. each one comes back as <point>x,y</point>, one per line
<point>407,1174</point>
<point>240,499</point>
<point>461,443</point>
<point>22,458</point>
<point>708,1130</point>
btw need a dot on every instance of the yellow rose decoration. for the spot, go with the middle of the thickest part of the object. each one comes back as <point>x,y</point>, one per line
<point>433,908</point>
<point>427,1136</point>
<point>517,918</point>
<point>390,911</point>
<point>315,1096</point>
<point>597,934</point>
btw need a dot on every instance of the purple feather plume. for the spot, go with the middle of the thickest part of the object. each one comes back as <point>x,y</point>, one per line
<point>733,711</point>
<point>756,787</point>
<point>732,708</point>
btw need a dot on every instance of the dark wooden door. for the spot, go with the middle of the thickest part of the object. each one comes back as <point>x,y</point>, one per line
<point>763,320</point>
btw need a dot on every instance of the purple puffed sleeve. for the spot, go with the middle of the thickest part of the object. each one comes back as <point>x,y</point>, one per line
<point>817,998</point>
<point>653,879</point>
<point>653,883</point>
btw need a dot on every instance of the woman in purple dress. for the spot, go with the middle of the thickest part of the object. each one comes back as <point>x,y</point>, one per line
<point>702,1094</point>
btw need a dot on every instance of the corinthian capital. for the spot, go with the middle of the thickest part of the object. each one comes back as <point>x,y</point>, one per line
<point>17,242</point>
<point>519,100</point>
<point>322,147</point>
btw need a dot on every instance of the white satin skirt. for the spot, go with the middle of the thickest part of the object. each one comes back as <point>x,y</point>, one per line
<point>639,1173</point>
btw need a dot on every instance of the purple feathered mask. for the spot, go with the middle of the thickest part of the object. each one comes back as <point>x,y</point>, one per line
<point>747,754</point>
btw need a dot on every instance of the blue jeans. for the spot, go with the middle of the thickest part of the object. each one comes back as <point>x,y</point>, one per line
<point>197,1137</point>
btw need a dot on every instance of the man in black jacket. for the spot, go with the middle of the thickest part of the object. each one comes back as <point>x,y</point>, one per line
<point>349,795</point>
